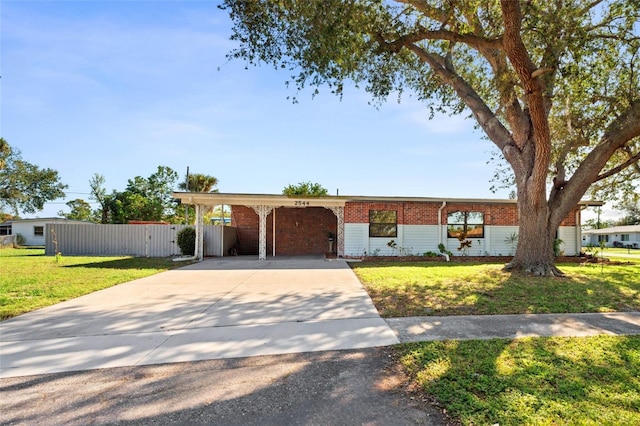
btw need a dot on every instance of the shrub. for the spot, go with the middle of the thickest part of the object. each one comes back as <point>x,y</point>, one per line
<point>187,241</point>
<point>557,250</point>
<point>19,241</point>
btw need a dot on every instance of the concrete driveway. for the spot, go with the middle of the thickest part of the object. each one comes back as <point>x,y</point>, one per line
<point>219,308</point>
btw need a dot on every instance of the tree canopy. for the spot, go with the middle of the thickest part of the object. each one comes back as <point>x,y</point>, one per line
<point>144,199</point>
<point>305,188</point>
<point>554,85</point>
<point>199,182</point>
<point>80,210</point>
<point>25,186</point>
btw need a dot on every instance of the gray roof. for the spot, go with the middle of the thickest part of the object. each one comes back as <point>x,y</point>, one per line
<point>628,229</point>
<point>46,220</point>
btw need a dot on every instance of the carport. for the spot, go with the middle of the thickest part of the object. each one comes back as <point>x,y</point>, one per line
<point>263,205</point>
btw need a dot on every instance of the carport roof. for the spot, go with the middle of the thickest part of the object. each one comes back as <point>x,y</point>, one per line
<point>217,198</point>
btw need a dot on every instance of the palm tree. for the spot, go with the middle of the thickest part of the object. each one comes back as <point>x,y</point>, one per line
<point>199,182</point>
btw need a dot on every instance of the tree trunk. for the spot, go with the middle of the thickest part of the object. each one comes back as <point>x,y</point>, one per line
<point>534,253</point>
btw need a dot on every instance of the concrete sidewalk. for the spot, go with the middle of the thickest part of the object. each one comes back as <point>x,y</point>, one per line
<point>415,329</point>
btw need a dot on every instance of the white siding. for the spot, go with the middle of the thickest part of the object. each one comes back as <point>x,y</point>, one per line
<point>418,239</point>
<point>499,246</point>
<point>568,236</point>
<point>378,247</point>
<point>25,227</point>
<point>414,239</point>
<point>26,230</point>
<point>356,239</point>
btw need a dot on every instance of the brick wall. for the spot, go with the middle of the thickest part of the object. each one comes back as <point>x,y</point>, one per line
<point>412,213</point>
<point>494,214</point>
<point>570,220</point>
<point>299,231</point>
<point>245,219</point>
<point>304,230</point>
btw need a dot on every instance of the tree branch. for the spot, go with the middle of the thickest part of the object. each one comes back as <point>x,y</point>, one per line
<point>485,117</point>
<point>428,10</point>
<point>631,161</point>
<point>424,34</point>
<point>541,71</point>
<point>621,130</point>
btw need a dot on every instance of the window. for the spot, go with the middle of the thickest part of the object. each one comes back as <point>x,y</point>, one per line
<point>624,237</point>
<point>603,238</point>
<point>38,230</point>
<point>383,223</point>
<point>465,225</point>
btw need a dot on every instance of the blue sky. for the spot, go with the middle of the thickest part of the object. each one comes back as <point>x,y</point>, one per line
<point>121,87</point>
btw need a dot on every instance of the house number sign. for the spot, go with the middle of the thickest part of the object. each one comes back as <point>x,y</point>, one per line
<point>301,203</point>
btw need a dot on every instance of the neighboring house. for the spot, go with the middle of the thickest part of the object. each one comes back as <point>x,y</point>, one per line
<point>33,230</point>
<point>617,236</point>
<point>365,226</point>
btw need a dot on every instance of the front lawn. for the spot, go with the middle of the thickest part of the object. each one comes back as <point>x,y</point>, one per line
<point>31,280</point>
<point>400,289</point>
<point>532,381</point>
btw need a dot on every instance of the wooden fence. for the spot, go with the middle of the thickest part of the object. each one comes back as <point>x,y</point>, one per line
<point>131,240</point>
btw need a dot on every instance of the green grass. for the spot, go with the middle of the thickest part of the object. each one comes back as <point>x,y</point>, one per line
<point>532,381</point>
<point>612,252</point>
<point>31,280</point>
<point>401,289</point>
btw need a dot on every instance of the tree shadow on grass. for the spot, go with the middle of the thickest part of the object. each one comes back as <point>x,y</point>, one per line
<point>131,263</point>
<point>493,291</point>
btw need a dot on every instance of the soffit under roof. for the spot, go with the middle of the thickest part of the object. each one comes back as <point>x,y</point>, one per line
<point>217,198</point>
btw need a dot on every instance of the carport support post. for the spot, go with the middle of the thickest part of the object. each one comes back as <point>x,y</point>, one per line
<point>262,211</point>
<point>339,212</point>
<point>199,232</point>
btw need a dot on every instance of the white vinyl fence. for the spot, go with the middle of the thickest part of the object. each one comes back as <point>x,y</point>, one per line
<point>131,240</point>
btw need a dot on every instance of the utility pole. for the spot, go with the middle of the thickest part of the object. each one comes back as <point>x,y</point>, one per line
<point>186,206</point>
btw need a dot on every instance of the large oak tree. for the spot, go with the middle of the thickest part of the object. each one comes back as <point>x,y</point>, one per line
<point>553,84</point>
